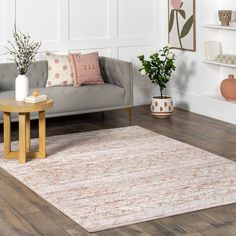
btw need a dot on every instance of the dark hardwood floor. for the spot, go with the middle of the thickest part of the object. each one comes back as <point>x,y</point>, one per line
<point>24,213</point>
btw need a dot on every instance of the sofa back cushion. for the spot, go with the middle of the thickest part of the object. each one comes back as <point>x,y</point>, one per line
<point>37,75</point>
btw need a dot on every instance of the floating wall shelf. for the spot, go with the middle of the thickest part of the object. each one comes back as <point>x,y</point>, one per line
<point>219,27</point>
<point>220,64</point>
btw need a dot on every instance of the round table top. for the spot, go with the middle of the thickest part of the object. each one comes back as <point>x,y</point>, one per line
<point>10,105</point>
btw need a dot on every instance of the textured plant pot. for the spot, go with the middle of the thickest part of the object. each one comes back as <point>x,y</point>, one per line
<point>21,88</point>
<point>162,107</point>
<point>228,88</point>
<point>225,17</point>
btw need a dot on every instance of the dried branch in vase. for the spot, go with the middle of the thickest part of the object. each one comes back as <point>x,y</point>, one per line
<point>22,51</point>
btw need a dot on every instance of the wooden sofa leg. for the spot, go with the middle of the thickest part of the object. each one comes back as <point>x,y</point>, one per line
<point>130,113</point>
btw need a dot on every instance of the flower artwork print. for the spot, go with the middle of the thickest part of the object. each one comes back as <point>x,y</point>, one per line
<point>182,24</point>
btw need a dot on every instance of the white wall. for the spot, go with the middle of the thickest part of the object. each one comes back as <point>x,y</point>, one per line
<point>117,28</point>
<point>124,29</point>
<point>195,85</point>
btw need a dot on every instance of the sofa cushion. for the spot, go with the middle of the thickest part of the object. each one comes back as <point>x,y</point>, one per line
<point>59,70</point>
<point>37,75</point>
<point>83,98</point>
<point>85,69</point>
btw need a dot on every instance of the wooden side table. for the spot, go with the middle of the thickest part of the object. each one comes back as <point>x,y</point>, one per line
<point>24,109</point>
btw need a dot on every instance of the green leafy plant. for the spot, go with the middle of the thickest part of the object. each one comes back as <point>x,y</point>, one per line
<point>22,51</point>
<point>174,14</point>
<point>159,67</point>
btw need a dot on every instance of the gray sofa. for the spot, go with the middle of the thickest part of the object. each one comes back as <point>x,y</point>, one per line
<point>116,93</point>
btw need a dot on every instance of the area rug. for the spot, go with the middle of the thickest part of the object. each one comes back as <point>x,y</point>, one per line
<point>116,177</point>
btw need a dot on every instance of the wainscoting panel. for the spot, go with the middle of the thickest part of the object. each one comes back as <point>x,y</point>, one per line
<point>63,21</point>
<point>102,51</point>
<point>89,19</point>
<point>39,17</point>
<point>2,15</point>
<point>136,18</point>
<point>130,54</point>
<point>143,89</point>
<point>9,18</point>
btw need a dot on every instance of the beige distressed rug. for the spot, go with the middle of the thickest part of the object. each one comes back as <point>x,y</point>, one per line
<point>110,178</point>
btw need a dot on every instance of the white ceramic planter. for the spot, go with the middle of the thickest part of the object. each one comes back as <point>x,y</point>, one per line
<point>21,88</point>
<point>162,107</point>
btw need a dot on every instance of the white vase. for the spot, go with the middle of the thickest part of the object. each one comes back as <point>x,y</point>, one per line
<point>162,107</point>
<point>21,88</point>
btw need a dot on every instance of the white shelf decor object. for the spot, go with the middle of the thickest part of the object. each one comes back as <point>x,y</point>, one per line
<point>212,50</point>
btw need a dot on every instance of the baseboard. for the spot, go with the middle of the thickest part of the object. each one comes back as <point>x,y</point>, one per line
<point>207,106</point>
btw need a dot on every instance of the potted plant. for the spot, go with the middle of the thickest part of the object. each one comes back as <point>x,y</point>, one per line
<point>159,68</point>
<point>22,52</point>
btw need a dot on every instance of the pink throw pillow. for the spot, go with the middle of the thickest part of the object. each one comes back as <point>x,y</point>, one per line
<point>85,69</point>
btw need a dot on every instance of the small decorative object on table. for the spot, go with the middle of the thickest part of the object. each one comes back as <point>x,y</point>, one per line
<point>159,68</point>
<point>35,93</point>
<point>35,97</point>
<point>23,53</point>
<point>228,88</point>
<point>225,17</point>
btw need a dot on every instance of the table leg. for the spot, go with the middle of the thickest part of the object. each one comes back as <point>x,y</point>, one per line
<point>27,132</point>
<point>7,133</point>
<point>22,137</point>
<point>42,134</point>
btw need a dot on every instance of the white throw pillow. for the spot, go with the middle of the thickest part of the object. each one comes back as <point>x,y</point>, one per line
<point>59,70</point>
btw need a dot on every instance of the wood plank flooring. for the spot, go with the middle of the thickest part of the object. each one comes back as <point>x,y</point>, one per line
<point>24,213</point>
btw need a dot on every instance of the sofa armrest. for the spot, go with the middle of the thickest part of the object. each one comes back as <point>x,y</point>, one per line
<point>120,73</point>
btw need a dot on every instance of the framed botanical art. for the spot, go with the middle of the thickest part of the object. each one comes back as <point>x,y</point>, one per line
<point>182,24</point>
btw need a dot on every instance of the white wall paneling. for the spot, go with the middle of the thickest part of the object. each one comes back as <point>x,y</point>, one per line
<point>89,19</point>
<point>117,28</point>
<point>63,21</point>
<point>2,20</point>
<point>6,23</point>
<point>102,51</point>
<point>136,35</point>
<point>2,28</point>
<point>143,89</point>
<point>39,17</point>
<point>9,18</point>
<point>136,18</point>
